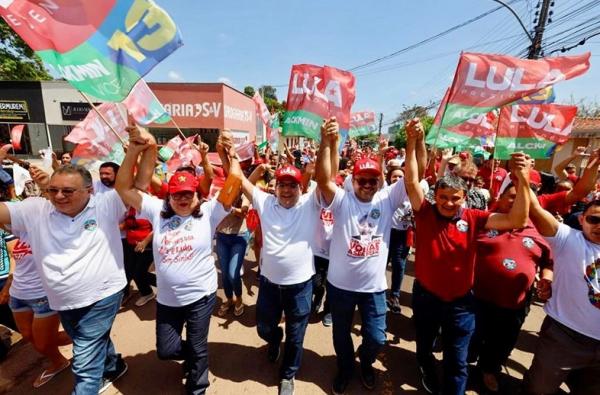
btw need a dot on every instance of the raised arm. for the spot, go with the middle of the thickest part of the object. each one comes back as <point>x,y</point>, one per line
<point>559,169</point>
<point>587,182</point>
<point>544,222</point>
<point>323,171</point>
<point>516,218</point>
<point>209,174</point>
<point>421,156</point>
<point>414,132</point>
<point>140,142</point>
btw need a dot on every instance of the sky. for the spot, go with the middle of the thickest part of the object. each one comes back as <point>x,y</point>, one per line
<point>256,43</point>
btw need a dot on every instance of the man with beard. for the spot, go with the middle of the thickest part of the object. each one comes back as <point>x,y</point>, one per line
<point>108,174</point>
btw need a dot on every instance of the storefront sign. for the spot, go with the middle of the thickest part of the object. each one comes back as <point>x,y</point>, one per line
<point>71,111</point>
<point>14,110</point>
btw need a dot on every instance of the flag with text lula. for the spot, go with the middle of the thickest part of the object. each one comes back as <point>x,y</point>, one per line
<point>484,82</point>
<point>535,129</point>
<point>101,47</point>
<point>362,123</point>
<point>316,93</point>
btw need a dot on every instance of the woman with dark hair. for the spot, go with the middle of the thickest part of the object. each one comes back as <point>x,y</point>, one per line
<point>182,248</point>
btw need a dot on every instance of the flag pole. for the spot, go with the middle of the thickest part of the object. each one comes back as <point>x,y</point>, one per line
<point>102,117</point>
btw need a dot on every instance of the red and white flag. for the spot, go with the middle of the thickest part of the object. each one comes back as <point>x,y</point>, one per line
<point>261,109</point>
<point>15,136</point>
<point>183,153</point>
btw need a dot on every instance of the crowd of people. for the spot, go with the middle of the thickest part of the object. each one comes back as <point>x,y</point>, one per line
<point>325,222</point>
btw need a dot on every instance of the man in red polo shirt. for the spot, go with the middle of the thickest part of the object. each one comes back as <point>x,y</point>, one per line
<point>444,263</point>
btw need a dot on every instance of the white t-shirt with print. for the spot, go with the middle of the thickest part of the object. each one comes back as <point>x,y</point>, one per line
<point>288,236</point>
<point>361,234</point>
<point>402,219</point>
<point>323,232</point>
<point>182,248</point>
<point>80,259</point>
<point>26,284</point>
<point>575,300</point>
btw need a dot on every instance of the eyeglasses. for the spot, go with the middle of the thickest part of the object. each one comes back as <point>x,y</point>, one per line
<point>183,196</point>
<point>592,219</point>
<point>367,181</point>
<point>292,185</point>
<point>469,180</point>
<point>66,192</point>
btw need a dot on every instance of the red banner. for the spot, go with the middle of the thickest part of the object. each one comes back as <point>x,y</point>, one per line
<point>15,136</point>
<point>485,80</point>
<point>362,118</point>
<point>548,121</point>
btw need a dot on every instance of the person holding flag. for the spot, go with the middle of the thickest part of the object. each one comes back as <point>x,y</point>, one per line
<point>444,263</point>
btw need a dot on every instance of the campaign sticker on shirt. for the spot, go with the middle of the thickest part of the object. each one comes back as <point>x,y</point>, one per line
<point>510,264</point>
<point>174,223</point>
<point>375,213</point>
<point>188,226</point>
<point>592,272</point>
<point>492,233</point>
<point>462,226</point>
<point>90,225</point>
<point>528,243</point>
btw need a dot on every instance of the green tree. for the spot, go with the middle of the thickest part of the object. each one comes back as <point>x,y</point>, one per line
<point>268,92</point>
<point>17,60</point>
<point>407,114</point>
<point>249,90</point>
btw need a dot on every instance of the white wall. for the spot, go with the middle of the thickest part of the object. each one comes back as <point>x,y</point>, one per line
<point>55,92</point>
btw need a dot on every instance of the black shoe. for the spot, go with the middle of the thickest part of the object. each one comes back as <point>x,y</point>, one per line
<point>367,375</point>
<point>340,383</point>
<point>395,306</point>
<point>429,381</point>
<point>107,381</point>
<point>275,348</point>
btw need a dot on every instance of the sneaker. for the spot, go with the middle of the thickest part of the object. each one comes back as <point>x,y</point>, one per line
<point>107,381</point>
<point>367,375</point>
<point>395,306</point>
<point>142,300</point>
<point>327,320</point>
<point>340,383</point>
<point>429,381</point>
<point>286,387</point>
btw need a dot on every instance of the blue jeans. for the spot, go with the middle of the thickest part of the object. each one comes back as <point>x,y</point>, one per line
<point>94,354</point>
<point>295,301</point>
<point>194,351</point>
<point>231,250</point>
<point>372,309</point>
<point>457,320</point>
<point>397,255</point>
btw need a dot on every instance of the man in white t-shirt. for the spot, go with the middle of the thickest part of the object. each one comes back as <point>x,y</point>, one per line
<point>569,343</point>
<point>288,222</point>
<point>108,175</point>
<point>74,237</point>
<point>358,257</point>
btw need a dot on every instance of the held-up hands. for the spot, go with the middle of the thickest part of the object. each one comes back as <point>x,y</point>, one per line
<point>225,143</point>
<point>330,130</point>
<point>519,165</point>
<point>414,129</point>
<point>40,177</point>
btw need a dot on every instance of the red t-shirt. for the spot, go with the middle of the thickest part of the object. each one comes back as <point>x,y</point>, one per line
<point>136,229</point>
<point>506,265</point>
<point>446,250</point>
<point>499,176</point>
<point>555,202</point>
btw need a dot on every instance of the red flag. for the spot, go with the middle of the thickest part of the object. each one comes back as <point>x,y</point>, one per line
<point>183,153</point>
<point>261,109</point>
<point>15,136</point>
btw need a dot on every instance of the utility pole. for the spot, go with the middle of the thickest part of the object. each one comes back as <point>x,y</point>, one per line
<point>535,50</point>
<point>380,122</point>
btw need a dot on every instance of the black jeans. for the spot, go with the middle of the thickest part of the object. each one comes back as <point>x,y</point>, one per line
<point>496,333</point>
<point>136,268</point>
<point>319,284</point>
<point>194,351</point>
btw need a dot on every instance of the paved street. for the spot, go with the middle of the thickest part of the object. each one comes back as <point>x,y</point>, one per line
<point>238,363</point>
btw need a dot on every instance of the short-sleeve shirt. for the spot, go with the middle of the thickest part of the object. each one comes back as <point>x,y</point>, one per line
<point>288,235</point>
<point>27,284</point>
<point>554,202</point>
<point>182,249</point>
<point>506,265</point>
<point>575,300</point>
<point>361,235</point>
<point>323,233</point>
<point>445,250</point>
<point>80,259</point>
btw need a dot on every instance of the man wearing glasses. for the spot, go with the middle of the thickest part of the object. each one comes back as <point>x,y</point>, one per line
<point>358,257</point>
<point>570,336</point>
<point>75,239</point>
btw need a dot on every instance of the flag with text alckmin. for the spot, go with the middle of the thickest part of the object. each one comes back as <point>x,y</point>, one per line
<point>535,129</point>
<point>316,93</point>
<point>101,47</point>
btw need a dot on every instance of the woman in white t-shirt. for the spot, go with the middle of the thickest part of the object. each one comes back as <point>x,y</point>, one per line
<point>182,247</point>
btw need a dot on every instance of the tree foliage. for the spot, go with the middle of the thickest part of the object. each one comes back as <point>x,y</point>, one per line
<point>587,109</point>
<point>249,90</point>
<point>407,114</point>
<point>17,60</point>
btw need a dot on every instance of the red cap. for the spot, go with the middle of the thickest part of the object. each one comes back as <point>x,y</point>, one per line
<point>288,173</point>
<point>367,166</point>
<point>182,181</point>
<point>535,177</point>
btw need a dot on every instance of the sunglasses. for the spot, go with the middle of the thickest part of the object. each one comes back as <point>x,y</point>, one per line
<point>592,219</point>
<point>292,185</point>
<point>183,196</point>
<point>367,181</point>
<point>66,192</point>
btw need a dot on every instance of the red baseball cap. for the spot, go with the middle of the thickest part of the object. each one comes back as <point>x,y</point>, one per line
<point>182,181</point>
<point>290,173</point>
<point>367,166</point>
<point>535,177</point>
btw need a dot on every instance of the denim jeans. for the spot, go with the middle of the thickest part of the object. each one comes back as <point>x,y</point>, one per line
<point>94,354</point>
<point>457,320</point>
<point>295,301</point>
<point>372,309</point>
<point>194,351</point>
<point>397,255</point>
<point>231,250</point>
<point>319,283</point>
